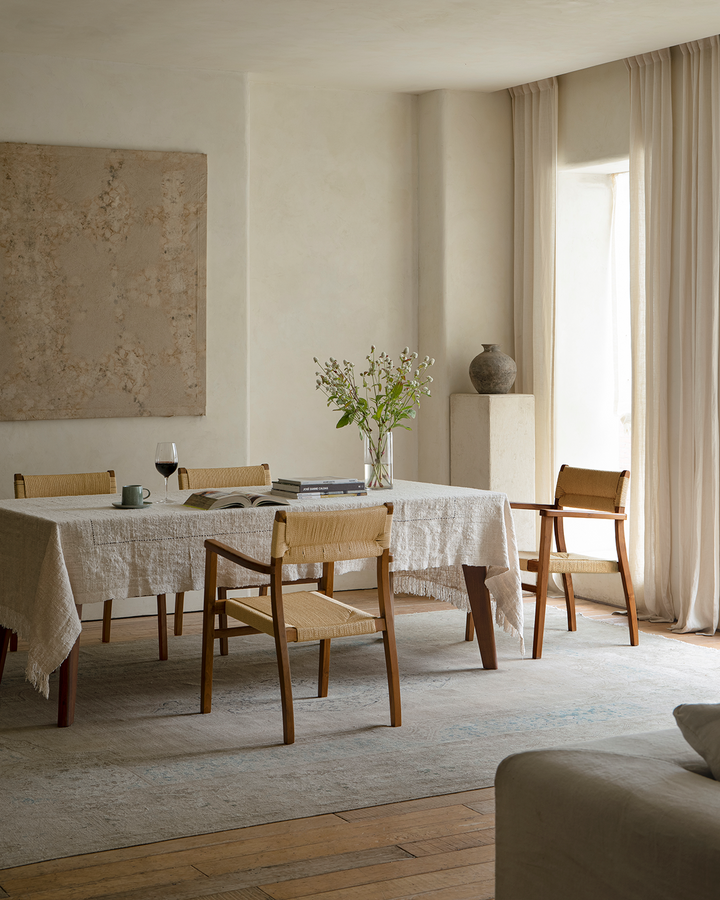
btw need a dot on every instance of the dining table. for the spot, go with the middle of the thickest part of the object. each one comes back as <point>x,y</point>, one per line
<point>451,543</point>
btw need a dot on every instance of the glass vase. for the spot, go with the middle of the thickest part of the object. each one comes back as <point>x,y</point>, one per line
<point>378,451</point>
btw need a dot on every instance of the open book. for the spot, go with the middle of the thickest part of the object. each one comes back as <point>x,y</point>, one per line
<point>225,499</point>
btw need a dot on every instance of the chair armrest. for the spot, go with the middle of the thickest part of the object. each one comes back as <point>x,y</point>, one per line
<point>580,514</point>
<point>235,556</point>
<point>531,506</point>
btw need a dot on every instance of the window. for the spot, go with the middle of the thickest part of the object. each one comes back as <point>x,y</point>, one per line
<point>593,350</point>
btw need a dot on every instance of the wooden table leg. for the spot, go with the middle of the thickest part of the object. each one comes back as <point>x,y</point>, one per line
<point>479,598</point>
<point>68,687</point>
<point>162,626</point>
<point>5,636</point>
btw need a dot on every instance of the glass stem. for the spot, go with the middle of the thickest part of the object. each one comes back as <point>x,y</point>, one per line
<point>166,481</point>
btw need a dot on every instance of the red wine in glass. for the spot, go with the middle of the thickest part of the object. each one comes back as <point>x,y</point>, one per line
<point>166,462</point>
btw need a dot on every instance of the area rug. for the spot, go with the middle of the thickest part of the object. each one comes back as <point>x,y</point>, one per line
<point>141,764</point>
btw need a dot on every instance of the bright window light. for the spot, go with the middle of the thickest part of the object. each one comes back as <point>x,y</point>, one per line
<point>593,362</point>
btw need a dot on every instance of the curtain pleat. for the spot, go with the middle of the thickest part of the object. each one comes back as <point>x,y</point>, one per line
<point>535,121</point>
<point>650,272</point>
<point>675,258</point>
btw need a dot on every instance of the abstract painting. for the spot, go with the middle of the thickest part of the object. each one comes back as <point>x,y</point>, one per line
<point>102,282</point>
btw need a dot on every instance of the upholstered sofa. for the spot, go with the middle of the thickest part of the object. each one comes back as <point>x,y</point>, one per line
<point>625,818</point>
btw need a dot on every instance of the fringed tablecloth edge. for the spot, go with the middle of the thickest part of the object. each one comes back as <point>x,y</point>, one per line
<point>39,679</point>
<point>405,583</point>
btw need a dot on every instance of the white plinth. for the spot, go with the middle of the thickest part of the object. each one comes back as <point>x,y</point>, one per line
<point>492,447</point>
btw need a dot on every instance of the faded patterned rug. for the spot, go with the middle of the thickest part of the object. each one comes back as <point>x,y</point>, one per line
<point>141,764</point>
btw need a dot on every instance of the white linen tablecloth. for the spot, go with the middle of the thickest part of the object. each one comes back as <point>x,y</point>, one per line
<point>60,551</point>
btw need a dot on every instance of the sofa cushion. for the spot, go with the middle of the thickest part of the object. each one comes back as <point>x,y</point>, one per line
<point>700,726</point>
<point>589,824</point>
<point>667,745</point>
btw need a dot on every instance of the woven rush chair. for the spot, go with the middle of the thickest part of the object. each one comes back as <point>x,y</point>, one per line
<point>27,486</point>
<point>213,479</point>
<point>579,494</point>
<point>307,537</point>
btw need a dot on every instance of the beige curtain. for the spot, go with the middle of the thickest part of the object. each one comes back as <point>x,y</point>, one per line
<point>650,235</point>
<point>535,145</point>
<point>676,292</point>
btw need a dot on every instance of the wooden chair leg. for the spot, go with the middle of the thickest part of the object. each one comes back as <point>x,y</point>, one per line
<point>5,637</point>
<point>569,602</point>
<point>541,587</point>
<point>566,579</point>
<point>283,661</point>
<point>387,602</point>
<point>224,642</point>
<point>324,668</point>
<point>540,605</point>
<point>469,627</point>
<point>162,626</point>
<point>178,613</point>
<point>223,623</point>
<point>624,566</point>
<point>106,622</point>
<point>13,641</point>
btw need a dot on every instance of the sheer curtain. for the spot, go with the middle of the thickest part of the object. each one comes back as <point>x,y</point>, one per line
<point>535,146</point>
<point>676,292</point>
<point>650,235</point>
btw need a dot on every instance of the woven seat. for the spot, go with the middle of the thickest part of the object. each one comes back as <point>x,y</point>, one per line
<point>214,479</point>
<point>301,537</point>
<point>309,616</point>
<point>568,562</point>
<point>76,485</point>
<point>579,494</point>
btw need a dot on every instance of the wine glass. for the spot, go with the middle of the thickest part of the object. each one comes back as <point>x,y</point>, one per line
<point>166,461</point>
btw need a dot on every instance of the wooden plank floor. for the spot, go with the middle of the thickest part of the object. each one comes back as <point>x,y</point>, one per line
<point>437,848</point>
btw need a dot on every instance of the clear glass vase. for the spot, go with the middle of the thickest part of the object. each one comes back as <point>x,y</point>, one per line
<point>378,451</point>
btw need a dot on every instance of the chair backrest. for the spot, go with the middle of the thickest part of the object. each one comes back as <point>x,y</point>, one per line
<point>311,537</point>
<point>592,489</point>
<point>207,479</point>
<point>65,485</point>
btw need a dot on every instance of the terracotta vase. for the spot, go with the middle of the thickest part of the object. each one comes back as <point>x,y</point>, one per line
<point>492,371</point>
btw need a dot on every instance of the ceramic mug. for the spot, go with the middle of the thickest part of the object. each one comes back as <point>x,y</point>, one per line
<point>132,495</point>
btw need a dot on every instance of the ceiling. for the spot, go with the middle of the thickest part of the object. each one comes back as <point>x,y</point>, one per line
<point>396,45</point>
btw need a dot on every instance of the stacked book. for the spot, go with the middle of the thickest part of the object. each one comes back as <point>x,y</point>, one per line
<point>314,487</point>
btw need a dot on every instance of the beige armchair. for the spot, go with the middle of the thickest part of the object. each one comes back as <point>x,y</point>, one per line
<point>579,494</point>
<point>306,537</point>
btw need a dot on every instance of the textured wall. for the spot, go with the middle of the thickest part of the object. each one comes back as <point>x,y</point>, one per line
<point>465,258</point>
<point>332,263</point>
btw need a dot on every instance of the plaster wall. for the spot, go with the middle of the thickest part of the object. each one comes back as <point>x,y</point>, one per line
<point>465,239</point>
<point>594,115</point>
<point>332,263</point>
<point>48,100</point>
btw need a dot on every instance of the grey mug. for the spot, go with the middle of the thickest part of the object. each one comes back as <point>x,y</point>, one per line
<point>132,495</point>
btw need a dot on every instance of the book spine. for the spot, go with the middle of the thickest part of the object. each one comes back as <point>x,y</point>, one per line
<point>318,495</point>
<point>345,487</point>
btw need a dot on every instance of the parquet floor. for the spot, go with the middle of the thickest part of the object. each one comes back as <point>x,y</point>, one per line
<point>437,848</point>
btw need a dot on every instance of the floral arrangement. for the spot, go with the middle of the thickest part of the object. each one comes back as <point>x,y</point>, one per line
<point>381,397</point>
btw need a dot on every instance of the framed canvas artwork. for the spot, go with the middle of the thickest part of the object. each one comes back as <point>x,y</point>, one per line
<point>102,282</point>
